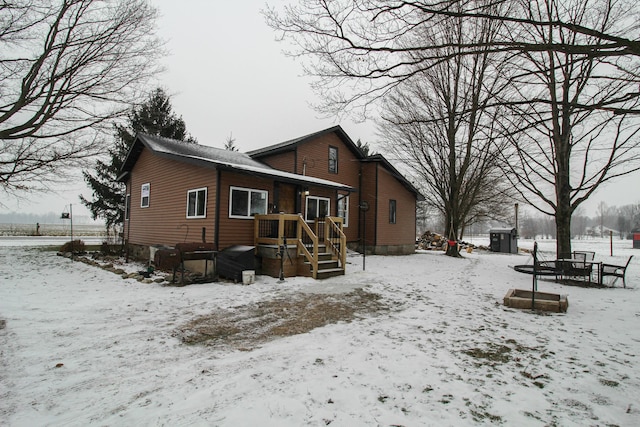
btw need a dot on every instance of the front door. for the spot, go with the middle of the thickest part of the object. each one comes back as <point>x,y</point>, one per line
<point>287,198</point>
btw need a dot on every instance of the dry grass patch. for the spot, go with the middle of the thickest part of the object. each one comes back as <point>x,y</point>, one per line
<point>249,325</point>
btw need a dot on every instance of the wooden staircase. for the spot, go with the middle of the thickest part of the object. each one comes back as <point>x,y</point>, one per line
<point>322,250</point>
<point>328,265</point>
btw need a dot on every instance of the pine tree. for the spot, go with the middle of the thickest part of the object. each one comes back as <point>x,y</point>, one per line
<point>154,117</point>
<point>364,147</point>
<point>230,143</point>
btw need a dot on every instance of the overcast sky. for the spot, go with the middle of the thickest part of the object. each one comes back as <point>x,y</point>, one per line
<point>227,75</point>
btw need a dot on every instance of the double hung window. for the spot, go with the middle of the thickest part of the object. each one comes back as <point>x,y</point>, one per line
<point>333,159</point>
<point>145,192</point>
<point>197,203</point>
<point>246,202</point>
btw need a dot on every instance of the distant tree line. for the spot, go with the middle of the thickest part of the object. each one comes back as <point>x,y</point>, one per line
<point>43,218</point>
<point>622,221</point>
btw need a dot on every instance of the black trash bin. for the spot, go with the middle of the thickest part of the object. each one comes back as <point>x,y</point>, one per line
<point>504,240</point>
<point>233,260</point>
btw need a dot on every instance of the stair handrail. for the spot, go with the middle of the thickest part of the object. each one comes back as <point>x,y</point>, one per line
<point>335,225</point>
<point>313,259</point>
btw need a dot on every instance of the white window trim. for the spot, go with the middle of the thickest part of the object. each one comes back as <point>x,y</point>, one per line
<point>142,205</point>
<point>249,190</point>
<point>206,194</point>
<point>345,220</point>
<point>306,206</point>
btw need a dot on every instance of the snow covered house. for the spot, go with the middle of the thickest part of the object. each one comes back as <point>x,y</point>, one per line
<point>318,192</point>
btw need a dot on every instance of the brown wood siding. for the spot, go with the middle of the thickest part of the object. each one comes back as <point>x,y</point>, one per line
<point>283,161</point>
<point>368,193</point>
<point>165,221</point>
<point>234,231</point>
<point>403,232</point>
<point>316,155</point>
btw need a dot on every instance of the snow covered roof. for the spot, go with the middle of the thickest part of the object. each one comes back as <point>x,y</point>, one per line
<point>205,156</point>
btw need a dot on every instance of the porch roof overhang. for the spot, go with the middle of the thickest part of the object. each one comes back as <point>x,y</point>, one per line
<point>276,174</point>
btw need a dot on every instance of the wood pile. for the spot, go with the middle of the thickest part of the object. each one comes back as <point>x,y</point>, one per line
<point>437,242</point>
<point>431,241</point>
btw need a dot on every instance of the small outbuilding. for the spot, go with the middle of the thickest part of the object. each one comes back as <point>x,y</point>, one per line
<point>504,240</point>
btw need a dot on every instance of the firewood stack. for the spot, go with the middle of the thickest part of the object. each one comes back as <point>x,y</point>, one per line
<point>431,241</point>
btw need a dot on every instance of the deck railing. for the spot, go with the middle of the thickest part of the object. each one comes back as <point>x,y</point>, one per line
<point>272,229</point>
<point>308,245</point>
<point>335,240</point>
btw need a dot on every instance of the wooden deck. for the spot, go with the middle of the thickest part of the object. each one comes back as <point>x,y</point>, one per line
<point>322,244</point>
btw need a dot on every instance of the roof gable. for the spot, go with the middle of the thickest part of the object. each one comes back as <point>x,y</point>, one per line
<point>379,158</point>
<point>292,144</point>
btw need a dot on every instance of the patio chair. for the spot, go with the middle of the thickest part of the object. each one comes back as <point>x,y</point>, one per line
<point>584,268</point>
<point>588,255</point>
<point>616,271</point>
<point>569,266</point>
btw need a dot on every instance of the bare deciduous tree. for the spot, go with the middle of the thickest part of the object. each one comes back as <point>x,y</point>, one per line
<point>574,78</point>
<point>440,123</point>
<point>566,135</point>
<point>67,67</point>
<point>359,50</point>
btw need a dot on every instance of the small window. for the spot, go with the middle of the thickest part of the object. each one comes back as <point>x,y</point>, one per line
<point>343,209</point>
<point>392,211</point>
<point>246,202</point>
<point>197,203</point>
<point>127,206</point>
<point>333,159</point>
<point>317,207</point>
<point>145,191</point>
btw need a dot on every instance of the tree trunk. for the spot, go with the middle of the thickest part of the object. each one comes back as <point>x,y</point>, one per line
<point>452,250</point>
<point>563,230</point>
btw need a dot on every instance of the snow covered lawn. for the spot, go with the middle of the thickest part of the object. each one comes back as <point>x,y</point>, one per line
<point>80,345</point>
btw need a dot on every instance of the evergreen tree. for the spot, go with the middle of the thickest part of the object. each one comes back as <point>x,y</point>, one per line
<point>364,147</point>
<point>230,143</point>
<point>154,117</point>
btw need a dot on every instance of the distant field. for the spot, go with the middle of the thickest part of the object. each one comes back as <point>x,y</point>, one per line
<point>51,230</point>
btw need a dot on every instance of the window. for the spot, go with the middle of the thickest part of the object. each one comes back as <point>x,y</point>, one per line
<point>197,203</point>
<point>245,202</point>
<point>343,209</point>
<point>145,190</point>
<point>333,159</point>
<point>317,207</point>
<point>392,211</point>
<point>127,206</point>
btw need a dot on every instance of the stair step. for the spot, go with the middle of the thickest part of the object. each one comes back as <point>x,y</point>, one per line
<point>323,265</point>
<point>330,272</point>
<point>322,256</point>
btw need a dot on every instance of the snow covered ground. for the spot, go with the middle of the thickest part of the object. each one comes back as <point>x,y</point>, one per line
<point>80,345</point>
